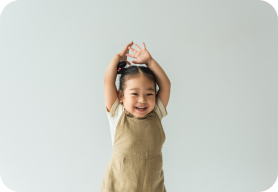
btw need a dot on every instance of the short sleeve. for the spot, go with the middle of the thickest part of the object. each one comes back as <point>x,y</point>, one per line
<point>113,108</point>
<point>113,116</point>
<point>160,109</point>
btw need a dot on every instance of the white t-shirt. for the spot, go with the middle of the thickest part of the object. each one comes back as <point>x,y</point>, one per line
<point>117,110</point>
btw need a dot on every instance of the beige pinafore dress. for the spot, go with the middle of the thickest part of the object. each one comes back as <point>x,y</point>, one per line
<point>136,162</point>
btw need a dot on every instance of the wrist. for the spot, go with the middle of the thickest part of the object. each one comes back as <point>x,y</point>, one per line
<point>119,57</point>
<point>150,61</point>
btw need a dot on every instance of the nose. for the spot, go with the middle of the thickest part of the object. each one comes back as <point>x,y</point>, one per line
<point>142,99</point>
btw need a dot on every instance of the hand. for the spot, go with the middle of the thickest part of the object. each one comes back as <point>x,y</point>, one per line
<point>142,56</point>
<point>123,53</point>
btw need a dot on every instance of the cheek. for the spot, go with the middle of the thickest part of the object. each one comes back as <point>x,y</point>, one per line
<point>131,100</point>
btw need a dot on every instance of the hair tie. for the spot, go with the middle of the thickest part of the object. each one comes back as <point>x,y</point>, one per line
<point>121,65</point>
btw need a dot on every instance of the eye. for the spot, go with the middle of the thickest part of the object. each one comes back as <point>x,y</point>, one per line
<point>148,94</point>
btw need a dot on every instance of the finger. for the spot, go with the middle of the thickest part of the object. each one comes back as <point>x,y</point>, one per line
<point>138,47</point>
<point>126,47</point>
<point>130,55</point>
<point>144,46</point>
<point>133,50</point>
<point>129,43</point>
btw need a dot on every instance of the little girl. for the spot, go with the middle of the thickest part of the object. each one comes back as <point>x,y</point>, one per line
<point>135,112</point>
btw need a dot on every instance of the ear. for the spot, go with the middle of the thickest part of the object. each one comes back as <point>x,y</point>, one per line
<point>120,96</point>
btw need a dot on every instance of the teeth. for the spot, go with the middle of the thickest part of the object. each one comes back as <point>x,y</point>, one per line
<point>141,107</point>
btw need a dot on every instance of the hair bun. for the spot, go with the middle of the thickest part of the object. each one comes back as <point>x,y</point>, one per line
<point>121,65</point>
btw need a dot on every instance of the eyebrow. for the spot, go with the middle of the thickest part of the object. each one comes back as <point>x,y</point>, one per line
<point>138,89</point>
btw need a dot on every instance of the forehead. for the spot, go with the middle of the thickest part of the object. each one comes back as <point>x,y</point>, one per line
<point>140,82</point>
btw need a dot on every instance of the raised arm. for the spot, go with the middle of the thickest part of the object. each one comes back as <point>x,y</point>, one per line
<point>111,71</point>
<point>110,89</point>
<point>162,81</point>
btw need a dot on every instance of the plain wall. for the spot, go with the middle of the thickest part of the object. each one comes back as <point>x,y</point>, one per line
<point>220,56</point>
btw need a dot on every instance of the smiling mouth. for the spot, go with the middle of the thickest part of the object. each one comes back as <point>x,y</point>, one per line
<point>141,109</point>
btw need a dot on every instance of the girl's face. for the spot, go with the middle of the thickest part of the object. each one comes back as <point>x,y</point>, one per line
<point>139,92</point>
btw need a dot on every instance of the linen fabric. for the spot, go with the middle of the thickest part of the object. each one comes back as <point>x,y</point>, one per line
<point>136,162</point>
<point>117,110</point>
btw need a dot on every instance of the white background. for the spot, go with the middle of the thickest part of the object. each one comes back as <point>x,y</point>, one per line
<point>221,59</point>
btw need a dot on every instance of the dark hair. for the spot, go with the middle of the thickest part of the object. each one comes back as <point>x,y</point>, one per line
<point>132,72</point>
